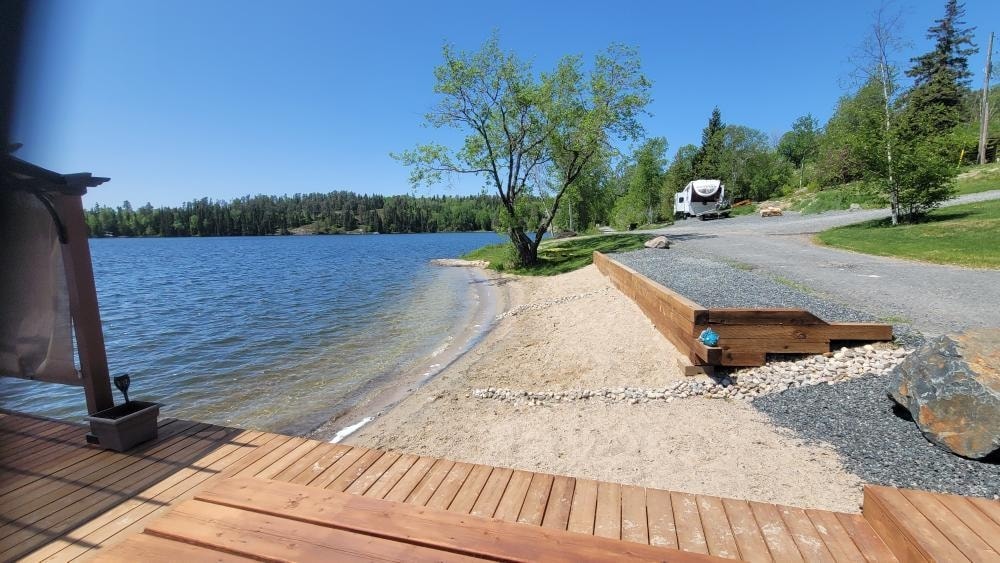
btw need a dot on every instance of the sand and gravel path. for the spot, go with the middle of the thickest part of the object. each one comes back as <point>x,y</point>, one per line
<point>575,331</point>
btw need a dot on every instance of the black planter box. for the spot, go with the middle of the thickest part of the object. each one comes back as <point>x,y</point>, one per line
<point>124,426</point>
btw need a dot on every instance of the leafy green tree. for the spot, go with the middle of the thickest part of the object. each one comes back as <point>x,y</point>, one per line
<point>801,143</point>
<point>707,163</point>
<point>892,140</point>
<point>644,181</point>
<point>941,76</point>
<point>522,130</point>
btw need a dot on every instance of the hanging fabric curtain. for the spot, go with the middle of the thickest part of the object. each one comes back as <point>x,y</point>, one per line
<point>35,324</point>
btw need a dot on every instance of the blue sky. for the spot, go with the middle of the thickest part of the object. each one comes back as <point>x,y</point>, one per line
<point>186,99</point>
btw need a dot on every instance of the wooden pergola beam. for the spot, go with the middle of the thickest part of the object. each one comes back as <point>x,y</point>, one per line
<point>83,304</point>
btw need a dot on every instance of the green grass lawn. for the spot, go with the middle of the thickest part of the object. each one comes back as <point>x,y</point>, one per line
<point>558,256</point>
<point>979,179</point>
<point>965,235</point>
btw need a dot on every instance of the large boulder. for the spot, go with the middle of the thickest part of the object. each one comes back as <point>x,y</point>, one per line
<point>658,242</point>
<point>951,386</point>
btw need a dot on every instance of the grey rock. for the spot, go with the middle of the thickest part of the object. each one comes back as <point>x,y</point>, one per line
<point>951,386</point>
<point>657,242</point>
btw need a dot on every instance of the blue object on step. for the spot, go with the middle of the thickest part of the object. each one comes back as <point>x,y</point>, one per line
<point>709,337</point>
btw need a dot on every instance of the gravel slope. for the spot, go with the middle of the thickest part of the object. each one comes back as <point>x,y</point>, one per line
<point>713,283</point>
<point>856,418</point>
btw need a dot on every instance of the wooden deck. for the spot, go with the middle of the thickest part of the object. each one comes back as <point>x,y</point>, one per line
<point>62,500</point>
<point>746,336</point>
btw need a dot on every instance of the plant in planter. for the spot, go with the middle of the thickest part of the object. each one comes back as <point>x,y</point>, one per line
<point>123,426</point>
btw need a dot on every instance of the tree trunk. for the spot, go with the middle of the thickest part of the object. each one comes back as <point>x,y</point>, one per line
<point>527,249</point>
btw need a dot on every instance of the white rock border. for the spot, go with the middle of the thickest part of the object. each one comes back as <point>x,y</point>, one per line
<point>743,384</point>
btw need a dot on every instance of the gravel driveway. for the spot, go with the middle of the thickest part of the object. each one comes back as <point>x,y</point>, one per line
<point>934,299</point>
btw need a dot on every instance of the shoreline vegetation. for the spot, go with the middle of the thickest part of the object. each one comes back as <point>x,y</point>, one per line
<point>557,256</point>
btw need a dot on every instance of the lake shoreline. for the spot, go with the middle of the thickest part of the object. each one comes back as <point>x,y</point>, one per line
<point>487,297</point>
<point>576,331</point>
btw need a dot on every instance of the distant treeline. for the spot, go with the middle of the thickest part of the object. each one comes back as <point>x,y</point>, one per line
<point>330,213</point>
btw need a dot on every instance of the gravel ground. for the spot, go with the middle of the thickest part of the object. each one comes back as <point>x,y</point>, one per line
<point>714,283</point>
<point>856,418</point>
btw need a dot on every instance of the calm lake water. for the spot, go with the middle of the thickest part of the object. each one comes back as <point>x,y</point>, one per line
<point>265,332</point>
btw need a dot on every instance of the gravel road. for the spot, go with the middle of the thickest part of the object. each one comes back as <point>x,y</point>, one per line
<point>857,418</point>
<point>931,298</point>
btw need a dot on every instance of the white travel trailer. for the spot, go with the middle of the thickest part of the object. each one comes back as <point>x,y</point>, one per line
<point>702,199</point>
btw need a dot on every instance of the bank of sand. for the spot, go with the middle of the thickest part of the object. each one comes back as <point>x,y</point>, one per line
<point>576,331</point>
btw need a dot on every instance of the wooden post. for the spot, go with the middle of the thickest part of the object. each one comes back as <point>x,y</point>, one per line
<point>83,304</point>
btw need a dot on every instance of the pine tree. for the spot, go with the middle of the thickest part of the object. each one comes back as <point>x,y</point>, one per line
<point>941,77</point>
<point>706,162</point>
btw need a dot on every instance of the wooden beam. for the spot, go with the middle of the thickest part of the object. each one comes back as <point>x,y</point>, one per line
<point>83,304</point>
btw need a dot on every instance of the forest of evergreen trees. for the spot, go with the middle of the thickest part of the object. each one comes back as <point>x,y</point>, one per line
<point>330,213</point>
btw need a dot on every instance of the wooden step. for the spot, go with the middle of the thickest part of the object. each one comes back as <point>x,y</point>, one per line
<point>462,534</point>
<point>924,526</point>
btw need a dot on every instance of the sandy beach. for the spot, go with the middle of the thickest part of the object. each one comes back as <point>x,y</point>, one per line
<point>577,331</point>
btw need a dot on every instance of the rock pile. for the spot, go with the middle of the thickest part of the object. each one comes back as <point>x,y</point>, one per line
<point>744,384</point>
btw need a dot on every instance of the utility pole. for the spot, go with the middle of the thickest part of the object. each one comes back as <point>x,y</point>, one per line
<point>984,122</point>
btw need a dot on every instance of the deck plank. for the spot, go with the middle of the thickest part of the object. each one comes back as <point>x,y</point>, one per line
<point>870,544</point>
<point>975,519</point>
<point>146,505</point>
<point>836,538</point>
<point>453,532</point>
<point>513,497</point>
<point>470,490</point>
<point>48,496</point>
<point>583,507</point>
<point>807,539</point>
<point>409,480</point>
<point>321,475</point>
<point>536,500</point>
<point>660,515</point>
<point>635,527</point>
<point>373,473</point>
<point>308,461</point>
<point>489,497</point>
<point>718,534</point>
<point>420,482</point>
<point>560,503</point>
<point>749,538</point>
<point>690,534</point>
<point>990,508</point>
<point>920,531</point>
<point>777,537</point>
<point>68,512</point>
<point>152,549</point>
<point>445,492</point>
<point>608,515</point>
<point>356,469</point>
<point>79,467</point>
<point>260,536</point>
<point>303,449</point>
<point>961,535</point>
<point>391,476</point>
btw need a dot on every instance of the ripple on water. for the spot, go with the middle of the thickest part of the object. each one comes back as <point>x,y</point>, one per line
<point>264,332</point>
